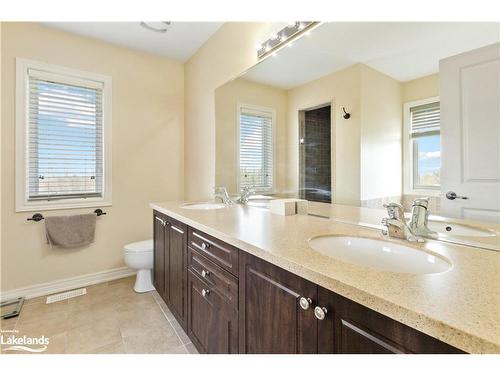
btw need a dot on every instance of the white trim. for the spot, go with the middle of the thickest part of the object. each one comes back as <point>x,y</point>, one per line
<point>274,126</point>
<point>62,285</point>
<point>408,188</point>
<point>22,204</point>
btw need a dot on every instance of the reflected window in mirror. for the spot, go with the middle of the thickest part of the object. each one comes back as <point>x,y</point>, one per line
<point>256,148</point>
<point>423,147</point>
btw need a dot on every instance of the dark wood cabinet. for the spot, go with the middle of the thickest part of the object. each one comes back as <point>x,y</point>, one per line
<point>160,239</point>
<point>229,301</point>
<point>271,319</point>
<point>176,270</point>
<point>170,264</point>
<point>212,321</point>
<point>351,328</point>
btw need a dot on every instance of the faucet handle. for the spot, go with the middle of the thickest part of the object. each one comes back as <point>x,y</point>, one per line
<point>395,211</point>
<point>422,202</point>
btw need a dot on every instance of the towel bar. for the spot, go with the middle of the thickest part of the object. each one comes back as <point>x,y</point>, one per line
<point>39,216</point>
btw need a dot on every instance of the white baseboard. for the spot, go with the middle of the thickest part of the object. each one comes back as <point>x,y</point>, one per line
<point>67,284</point>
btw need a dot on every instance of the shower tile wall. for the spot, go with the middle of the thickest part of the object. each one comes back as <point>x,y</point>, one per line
<point>316,171</point>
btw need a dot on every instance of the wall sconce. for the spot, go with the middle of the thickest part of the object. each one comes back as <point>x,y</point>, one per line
<point>284,36</point>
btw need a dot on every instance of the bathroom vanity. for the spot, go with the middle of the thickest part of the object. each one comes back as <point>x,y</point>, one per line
<point>242,280</point>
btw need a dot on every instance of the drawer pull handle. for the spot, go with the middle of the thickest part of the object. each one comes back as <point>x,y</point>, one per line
<point>205,273</point>
<point>320,312</point>
<point>205,245</point>
<point>205,292</point>
<point>305,303</point>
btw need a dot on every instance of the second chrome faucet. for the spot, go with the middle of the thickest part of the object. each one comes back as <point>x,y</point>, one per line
<point>222,194</point>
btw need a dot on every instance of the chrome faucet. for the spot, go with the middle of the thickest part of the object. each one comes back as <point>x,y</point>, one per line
<point>245,194</point>
<point>396,225</point>
<point>222,194</point>
<point>419,218</point>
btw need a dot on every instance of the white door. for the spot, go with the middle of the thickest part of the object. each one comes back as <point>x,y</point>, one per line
<point>470,134</point>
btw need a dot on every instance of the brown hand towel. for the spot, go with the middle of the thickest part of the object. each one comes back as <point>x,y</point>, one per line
<point>70,231</point>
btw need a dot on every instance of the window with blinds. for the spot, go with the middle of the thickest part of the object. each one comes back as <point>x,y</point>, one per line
<point>425,119</point>
<point>426,145</point>
<point>63,137</point>
<point>256,154</point>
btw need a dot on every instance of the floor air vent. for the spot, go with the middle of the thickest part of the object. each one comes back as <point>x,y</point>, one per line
<point>66,295</point>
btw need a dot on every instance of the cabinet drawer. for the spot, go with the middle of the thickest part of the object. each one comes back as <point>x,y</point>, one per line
<point>217,278</point>
<point>212,323</point>
<point>217,251</point>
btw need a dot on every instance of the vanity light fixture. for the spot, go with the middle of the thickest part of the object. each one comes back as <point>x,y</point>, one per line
<point>158,27</point>
<point>284,36</point>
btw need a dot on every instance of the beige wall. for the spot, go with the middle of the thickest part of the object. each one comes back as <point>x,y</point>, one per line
<point>224,56</point>
<point>421,88</point>
<point>341,88</point>
<point>227,97</point>
<point>147,134</point>
<point>381,135</point>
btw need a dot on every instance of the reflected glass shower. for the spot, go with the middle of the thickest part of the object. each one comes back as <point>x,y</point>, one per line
<point>315,170</point>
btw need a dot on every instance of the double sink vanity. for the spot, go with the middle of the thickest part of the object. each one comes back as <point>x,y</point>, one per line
<point>345,136</point>
<point>240,279</point>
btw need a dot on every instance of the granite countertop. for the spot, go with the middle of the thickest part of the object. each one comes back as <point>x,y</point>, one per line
<point>460,306</point>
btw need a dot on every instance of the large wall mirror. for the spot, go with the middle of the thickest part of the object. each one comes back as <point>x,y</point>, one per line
<point>362,114</point>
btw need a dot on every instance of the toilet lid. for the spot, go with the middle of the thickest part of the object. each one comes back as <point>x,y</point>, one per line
<point>140,246</point>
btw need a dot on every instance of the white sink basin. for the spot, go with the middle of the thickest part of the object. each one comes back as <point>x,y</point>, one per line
<point>203,206</point>
<point>459,230</point>
<point>382,255</point>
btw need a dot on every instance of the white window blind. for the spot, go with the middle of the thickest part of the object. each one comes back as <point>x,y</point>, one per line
<point>425,119</point>
<point>256,164</point>
<point>64,137</point>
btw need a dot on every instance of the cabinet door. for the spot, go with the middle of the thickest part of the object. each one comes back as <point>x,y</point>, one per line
<point>159,253</point>
<point>212,322</point>
<point>350,328</point>
<point>271,319</point>
<point>177,271</point>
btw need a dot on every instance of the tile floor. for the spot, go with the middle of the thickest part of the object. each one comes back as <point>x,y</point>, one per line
<point>110,319</point>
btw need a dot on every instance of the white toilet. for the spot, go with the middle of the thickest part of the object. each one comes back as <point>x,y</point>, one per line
<point>139,256</point>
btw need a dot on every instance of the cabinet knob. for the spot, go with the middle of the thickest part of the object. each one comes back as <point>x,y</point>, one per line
<point>205,292</point>
<point>305,303</point>
<point>320,312</point>
<point>205,273</point>
<point>205,245</point>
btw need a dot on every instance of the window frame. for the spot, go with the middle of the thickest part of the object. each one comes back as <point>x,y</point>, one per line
<point>409,158</point>
<point>22,136</point>
<point>239,106</point>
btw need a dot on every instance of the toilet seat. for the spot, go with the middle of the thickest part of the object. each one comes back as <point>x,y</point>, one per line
<point>139,247</point>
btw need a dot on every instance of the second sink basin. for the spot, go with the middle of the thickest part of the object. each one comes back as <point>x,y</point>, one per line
<point>459,230</point>
<point>382,255</point>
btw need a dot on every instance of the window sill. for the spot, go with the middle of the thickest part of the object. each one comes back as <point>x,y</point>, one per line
<point>423,192</point>
<point>63,205</point>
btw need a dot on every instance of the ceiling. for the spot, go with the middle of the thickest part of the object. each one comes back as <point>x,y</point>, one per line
<point>180,42</point>
<point>403,51</point>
